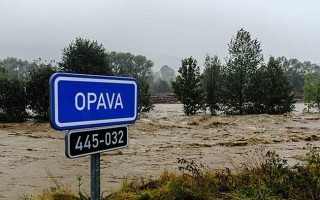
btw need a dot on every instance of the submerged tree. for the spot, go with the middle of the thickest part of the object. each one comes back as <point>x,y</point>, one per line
<point>278,95</point>
<point>244,59</point>
<point>311,90</point>
<point>211,79</point>
<point>187,87</point>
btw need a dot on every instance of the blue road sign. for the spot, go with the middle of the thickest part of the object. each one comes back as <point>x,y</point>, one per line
<point>84,101</point>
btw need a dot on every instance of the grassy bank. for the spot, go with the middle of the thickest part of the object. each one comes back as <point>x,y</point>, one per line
<point>262,177</point>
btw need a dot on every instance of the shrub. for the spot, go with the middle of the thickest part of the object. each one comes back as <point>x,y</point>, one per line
<point>37,88</point>
<point>12,98</point>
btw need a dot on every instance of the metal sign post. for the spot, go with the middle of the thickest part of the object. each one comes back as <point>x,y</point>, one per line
<point>95,176</point>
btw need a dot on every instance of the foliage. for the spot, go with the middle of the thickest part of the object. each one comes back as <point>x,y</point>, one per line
<point>268,177</point>
<point>85,57</point>
<point>162,80</point>
<point>138,67</point>
<point>311,90</point>
<point>212,83</point>
<point>296,71</point>
<point>58,193</point>
<point>244,59</point>
<point>167,73</point>
<point>273,93</point>
<point>13,100</point>
<point>145,104</point>
<point>37,88</point>
<point>195,170</point>
<point>122,64</point>
<point>263,176</point>
<point>160,86</point>
<point>187,87</point>
<point>16,67</point>
<point>128,65</point>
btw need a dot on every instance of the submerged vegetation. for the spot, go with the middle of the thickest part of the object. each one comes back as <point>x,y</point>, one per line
<point>264,176</point>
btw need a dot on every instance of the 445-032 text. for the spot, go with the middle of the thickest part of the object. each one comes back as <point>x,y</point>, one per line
<point>84,142</point>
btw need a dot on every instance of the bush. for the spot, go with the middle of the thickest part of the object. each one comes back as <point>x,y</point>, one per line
<point>13,100</point>
<point>268,177</point>
<point>145,104</point>
<point>84,56</point>
<point>37,88</point>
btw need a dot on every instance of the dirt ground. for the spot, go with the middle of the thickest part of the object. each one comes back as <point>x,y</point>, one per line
<point>32,154</point>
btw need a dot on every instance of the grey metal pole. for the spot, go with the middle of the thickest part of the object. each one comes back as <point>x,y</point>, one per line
<point>95,176</point>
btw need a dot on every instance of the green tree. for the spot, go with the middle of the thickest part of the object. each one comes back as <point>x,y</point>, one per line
<point>257,92</point>
<point>37,88</point>
<point>278,95</point>
<point>211,78</point>
<point>311,91</point>
<point>13,100</point>
<point>296,71</point>
<point>129,65</point>
<point>145,103</point>
<point>138,67</point>
<point>188,88</point>
<point>85,57</point>
<point>244,59</point>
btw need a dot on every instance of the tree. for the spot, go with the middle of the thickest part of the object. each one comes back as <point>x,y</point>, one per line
<point>160,86</point>
<point>167,73</point>
<point>129,65</point>
<point>296,71</point>
<point>211,78</point>
<point>12,97</point>
<point>278,97</point>
<point>37,88</point>
<point>162,80</point>
<point>244,59</point>
<point>145,104</point>
<point>311,90</point>
<point>138,67</point>
<point>85,57</point>
<point>15,66</point>
<point>258,91</point>
<point>187,87</point>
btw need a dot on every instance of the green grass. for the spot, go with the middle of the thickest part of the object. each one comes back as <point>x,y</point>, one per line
<point>263,177</point>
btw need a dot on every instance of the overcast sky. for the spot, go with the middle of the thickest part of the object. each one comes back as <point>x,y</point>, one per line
<point>31,29</point>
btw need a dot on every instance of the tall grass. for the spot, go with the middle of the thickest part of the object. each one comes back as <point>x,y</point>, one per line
<point>266,176</point>
<point>269,177</point>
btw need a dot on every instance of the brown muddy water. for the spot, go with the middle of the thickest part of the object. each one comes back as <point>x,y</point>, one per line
<point>32,155</point>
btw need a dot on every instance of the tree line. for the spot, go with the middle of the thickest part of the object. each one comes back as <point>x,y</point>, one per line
<point>245,84</point>
<point>24,86</point>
